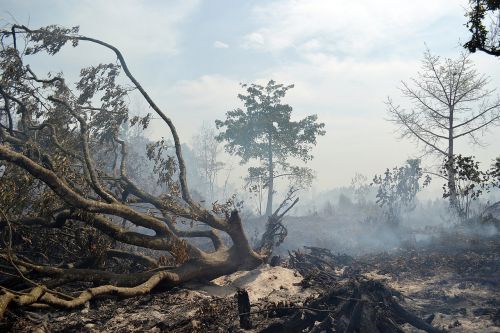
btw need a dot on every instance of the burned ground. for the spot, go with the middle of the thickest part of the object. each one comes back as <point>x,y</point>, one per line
<point>452,283</point>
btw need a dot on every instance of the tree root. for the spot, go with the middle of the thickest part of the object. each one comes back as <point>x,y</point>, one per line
<point>90,293</point>
<point>41,295</point>
<point>24,299</point>
<point>5,300</point>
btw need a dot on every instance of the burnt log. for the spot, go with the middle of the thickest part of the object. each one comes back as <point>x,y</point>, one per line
<point>244,309</point>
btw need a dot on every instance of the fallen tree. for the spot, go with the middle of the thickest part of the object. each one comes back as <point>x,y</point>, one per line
<point>55,144</point>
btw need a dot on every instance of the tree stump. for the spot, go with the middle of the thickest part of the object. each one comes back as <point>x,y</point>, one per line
<point>244,308</point>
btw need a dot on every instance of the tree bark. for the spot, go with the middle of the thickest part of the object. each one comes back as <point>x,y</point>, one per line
<point>244,309</point>
<point>449,166</point>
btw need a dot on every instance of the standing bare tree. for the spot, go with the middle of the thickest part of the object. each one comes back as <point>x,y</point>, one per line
<point>206,150</point>
<point>449,100</point>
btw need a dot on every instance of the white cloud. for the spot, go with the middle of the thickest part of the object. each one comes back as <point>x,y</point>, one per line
<point>326,84</point>
<point>254,40</point>
<point>192,102</point>
<point>354,27</point>
<point>136,27</point>
<point>220,45</point>
<point>311,45</point>
<point>141,30</point>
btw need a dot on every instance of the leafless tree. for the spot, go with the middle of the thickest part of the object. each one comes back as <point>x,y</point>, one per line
<point>206,150</point>
<point>448,100</point>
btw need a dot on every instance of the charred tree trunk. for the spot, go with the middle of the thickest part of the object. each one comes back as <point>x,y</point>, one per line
<point>244,308</point>
<point>276,231</point>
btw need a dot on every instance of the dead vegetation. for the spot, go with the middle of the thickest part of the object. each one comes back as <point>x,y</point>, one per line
<point>448,286</point>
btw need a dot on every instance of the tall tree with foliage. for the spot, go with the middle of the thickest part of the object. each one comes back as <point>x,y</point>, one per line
<point>265,132</point>
<point>449,100</point>
<point>484,26</point>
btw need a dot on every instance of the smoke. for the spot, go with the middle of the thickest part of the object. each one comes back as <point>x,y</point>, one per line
<point>345,220</point>
<point>356,228</point>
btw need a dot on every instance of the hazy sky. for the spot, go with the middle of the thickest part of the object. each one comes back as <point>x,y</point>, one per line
<point>344,57</point>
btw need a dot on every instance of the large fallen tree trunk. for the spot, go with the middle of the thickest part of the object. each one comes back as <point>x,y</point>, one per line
<point>59,185</point>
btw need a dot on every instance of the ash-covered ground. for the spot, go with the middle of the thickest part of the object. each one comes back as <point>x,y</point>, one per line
<point>450,282</point>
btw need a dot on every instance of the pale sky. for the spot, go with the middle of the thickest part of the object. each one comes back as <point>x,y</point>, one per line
<point>344,57</point>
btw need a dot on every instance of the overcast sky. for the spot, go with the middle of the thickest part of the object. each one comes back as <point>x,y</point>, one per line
<point>344,57</point>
